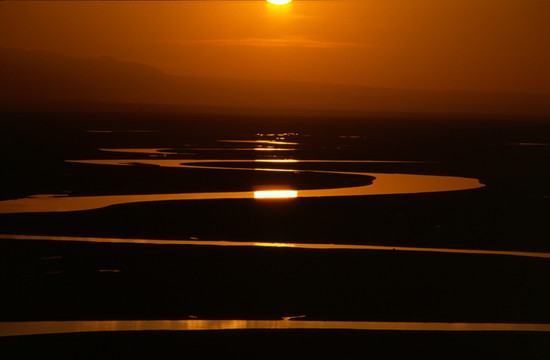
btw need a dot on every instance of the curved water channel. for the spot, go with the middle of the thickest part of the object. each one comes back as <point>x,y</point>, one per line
<point>60,327</point>
<point>383,184</point>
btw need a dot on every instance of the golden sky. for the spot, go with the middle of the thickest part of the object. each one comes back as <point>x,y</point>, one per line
<point>501,45</point>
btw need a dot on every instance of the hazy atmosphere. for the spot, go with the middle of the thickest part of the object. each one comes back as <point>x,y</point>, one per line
<point>241,179</point>
<point>490,45</point>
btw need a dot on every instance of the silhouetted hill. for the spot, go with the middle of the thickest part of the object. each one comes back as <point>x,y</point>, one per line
<point>38,78</point>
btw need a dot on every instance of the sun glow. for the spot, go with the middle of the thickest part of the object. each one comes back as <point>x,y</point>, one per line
<point>279,2</point>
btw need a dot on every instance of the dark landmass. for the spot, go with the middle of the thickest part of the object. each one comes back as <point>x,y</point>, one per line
<point>510,157</point>
<point>92,180</point>
<point>44,280</point>
<point>276,344</point>
<point>43,80</point>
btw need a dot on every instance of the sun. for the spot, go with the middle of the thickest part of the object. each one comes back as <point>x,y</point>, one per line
<point>279,2</point>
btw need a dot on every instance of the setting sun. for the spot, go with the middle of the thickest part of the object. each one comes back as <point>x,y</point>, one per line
<point>279,2</point>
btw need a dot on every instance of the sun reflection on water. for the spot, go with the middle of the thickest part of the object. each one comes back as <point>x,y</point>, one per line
<point>276,160</point>
<point>275,194</point>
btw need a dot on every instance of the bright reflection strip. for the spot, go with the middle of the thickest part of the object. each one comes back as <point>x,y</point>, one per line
<point>279,245</point>
<point>62,327</point>
<point>275,194</point>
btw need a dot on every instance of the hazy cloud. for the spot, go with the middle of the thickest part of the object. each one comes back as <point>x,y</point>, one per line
<point>271,42</point>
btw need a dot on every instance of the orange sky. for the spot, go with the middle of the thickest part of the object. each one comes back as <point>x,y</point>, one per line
<point>499,45</point>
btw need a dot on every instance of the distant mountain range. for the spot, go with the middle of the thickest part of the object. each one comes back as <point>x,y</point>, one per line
<point>41,78</point>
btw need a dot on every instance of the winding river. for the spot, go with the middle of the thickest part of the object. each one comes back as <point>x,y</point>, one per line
<point>383,184</point>
<point>60,327</point>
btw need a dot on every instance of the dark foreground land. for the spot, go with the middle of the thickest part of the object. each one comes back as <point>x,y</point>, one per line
<point>50,280</point>
<point>276,344</point>
<point>64,281</point>
<point>79,281</point>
